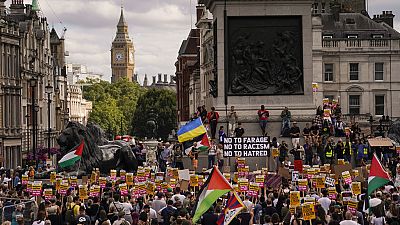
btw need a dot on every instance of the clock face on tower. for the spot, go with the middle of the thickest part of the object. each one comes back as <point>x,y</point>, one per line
<point>119,56</point>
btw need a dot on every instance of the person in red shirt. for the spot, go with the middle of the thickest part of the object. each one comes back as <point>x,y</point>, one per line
<point>213,121</point>
<point>263,115</point>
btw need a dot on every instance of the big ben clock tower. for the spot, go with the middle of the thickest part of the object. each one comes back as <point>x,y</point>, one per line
<point>122,52</point>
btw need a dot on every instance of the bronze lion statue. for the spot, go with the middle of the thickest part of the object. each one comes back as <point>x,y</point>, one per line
<point>97,151</point>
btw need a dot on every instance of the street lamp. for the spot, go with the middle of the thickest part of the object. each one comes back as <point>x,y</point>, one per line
<point>28,131</point>
<point>49,91</point>
<point>32,84</point>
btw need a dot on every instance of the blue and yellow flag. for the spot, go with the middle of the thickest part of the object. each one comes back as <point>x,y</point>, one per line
<point>191,130</point>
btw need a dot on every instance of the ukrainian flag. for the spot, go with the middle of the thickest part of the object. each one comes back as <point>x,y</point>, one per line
<point>191,130</point>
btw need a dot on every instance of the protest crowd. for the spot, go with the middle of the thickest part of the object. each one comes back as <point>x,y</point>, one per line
<point>328,174</point>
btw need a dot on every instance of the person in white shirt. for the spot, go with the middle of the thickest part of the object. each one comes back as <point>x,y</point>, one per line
<point>325,201</point>
<point>249,205</point>
<point>348,220</point>
<point>151,212</point>
<point>178,194</point>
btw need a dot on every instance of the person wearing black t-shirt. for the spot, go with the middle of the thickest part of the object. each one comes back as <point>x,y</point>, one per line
<point>239,131</point>
<point>295,134</point>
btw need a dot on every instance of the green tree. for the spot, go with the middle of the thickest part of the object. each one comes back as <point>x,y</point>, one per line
<point>114,104</point>
<point>158,105</point>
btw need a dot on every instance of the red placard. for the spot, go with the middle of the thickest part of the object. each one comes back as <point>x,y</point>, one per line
<point>298,165</point>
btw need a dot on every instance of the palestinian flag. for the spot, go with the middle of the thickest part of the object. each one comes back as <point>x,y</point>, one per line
<point>70,158</point>
<point>232,208</point>
<point>202,143</point>
<point>215,186</point>
<point>377,176</point>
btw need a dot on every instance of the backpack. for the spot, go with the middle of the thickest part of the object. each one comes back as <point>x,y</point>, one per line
<point>69,215</point>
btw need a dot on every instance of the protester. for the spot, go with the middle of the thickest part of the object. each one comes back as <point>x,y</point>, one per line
<point>263,116</point>
<point>233,120</point>
<point>239,131</point>
<point>295,135</point>
<point>286,116</point>
<point>213,117</point>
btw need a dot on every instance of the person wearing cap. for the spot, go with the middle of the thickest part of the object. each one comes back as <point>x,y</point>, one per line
<point>82,217</point>
<point>295,135</point>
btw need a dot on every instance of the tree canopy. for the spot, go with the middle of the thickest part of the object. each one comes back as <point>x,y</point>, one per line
<point>158,105</point>
<point>114,104</point>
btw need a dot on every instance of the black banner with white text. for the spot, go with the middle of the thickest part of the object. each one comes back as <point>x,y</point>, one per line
<point>246,146</point>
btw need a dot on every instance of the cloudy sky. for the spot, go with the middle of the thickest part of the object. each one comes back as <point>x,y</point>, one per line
<point>157,28</point>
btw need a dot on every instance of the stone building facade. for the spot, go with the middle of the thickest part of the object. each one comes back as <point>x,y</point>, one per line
<point>350,55</point>
<point>33,83</point>
<point>186,65</point>
<point>79,108</point>
<point>354,61</point>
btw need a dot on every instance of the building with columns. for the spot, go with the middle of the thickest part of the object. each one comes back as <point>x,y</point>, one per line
<point>122,52</point>
<point>79,107</point>
<point>33,83</point>
<point>350,55</point>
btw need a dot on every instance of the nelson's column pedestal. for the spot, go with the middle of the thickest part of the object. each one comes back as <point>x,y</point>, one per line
<point>263,56</point>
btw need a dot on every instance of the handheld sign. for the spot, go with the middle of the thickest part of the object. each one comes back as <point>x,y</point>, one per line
<point>48,193</point>
<point>302,184</point>
<point>308,211</point>
<point>113,174</point>
<point>53,176</point>
<point>330,181</point>
<point>356,188</point>
<point>37,188</point>
<point>346,177</point>
<point>295,198</point>
<point>129,179</point>
<point>83,192</point>
<point>194,180</point>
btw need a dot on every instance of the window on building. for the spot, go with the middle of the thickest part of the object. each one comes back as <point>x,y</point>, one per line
<point>315,8</point>
<point>323,7</point>
<point>379,104</point>
<point>352,36</point>
<point>328,72</point>
<point>327,37</point>
<point>377,36</point>
<point>353,71</point>
<point>354,104</point>
<point>330,97</point>
<point>378,71</point>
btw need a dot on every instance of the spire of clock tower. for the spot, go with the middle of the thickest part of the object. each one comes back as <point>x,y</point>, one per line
<point>122,52</point>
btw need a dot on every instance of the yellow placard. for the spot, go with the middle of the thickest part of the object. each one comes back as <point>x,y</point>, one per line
<point>275,152</point>
<point>227,176</point>
<point>295,198</point>
<point>340,161</point>
<point>129,179</point>
<point>253,187</point>
<point>113,174</point>
<point>102,182</point>
<point>150,187</point>
<point>194,180</point>
<point>53,176</point>
<point>73,181</point>
<point>260,179</point>
<point>308,211</point>
<point>320,182</point>
<point>355,173</point>
<point>93,177</point>
<point>356,188</point>
<point>58,183</point>
<point>83,192</point>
